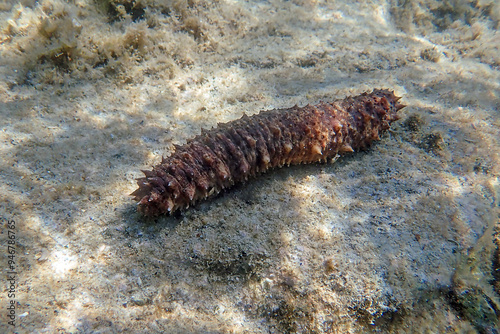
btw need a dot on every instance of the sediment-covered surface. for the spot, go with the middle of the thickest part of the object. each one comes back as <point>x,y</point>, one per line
<point>399,238</point>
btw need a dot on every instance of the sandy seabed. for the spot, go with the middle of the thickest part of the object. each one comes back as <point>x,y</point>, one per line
<point>398,239</point>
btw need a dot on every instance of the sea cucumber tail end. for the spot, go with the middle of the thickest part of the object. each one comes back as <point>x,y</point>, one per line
<point>146,196</point>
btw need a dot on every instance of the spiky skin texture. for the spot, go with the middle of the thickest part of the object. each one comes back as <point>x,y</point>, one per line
<point>235,151</point>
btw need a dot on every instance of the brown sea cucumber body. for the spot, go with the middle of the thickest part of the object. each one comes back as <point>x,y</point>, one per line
<point>235,151</point>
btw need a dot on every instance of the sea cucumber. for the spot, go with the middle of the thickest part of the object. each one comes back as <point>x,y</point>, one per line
<point>234,151</point>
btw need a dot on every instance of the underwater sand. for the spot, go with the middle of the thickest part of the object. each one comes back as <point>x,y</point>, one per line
<point>397,239</point>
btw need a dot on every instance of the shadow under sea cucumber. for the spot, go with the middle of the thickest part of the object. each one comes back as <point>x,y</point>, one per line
<point>234,151</point>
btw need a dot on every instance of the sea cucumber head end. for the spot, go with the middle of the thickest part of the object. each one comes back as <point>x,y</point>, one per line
<point>398,105</point>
